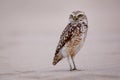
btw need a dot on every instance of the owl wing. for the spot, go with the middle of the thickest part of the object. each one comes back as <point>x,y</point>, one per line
<point>65,37</point>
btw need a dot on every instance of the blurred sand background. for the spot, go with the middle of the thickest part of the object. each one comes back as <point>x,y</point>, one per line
<point>30,30</point>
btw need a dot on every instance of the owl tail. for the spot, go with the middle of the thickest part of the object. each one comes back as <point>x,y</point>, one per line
<point>57,58</point>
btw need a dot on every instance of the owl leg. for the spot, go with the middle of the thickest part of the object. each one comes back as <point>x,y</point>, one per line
<point>73,63</point>
<point>68,58</point>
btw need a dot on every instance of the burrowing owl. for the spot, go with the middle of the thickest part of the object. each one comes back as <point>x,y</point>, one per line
<point>72,38</point>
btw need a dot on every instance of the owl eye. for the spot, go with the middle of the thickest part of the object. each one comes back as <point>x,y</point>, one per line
<point>80,15</point>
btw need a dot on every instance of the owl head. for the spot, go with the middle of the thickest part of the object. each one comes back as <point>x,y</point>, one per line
<point>77,16</point>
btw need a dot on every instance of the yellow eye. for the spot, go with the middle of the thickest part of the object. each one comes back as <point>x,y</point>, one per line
<point>80,15</point>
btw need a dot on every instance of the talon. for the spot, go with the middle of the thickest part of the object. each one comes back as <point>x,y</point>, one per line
<point>74,69</point>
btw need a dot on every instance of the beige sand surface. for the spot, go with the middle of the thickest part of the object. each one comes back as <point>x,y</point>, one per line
<point>30,30</point>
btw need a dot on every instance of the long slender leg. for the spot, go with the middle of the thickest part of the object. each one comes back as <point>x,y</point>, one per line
<point>69,63</point>
<point>73,63</point>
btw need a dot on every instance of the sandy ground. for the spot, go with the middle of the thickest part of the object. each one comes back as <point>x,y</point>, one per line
<point>29,33</point>
<point>26,59</point>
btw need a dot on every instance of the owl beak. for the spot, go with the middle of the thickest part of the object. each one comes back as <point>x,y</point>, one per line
<point>75,18</point>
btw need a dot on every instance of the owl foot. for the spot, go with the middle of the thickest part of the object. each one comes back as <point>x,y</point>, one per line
<point>74,69</point>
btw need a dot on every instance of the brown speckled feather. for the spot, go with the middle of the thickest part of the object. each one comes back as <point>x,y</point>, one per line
<point>67,34</point>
